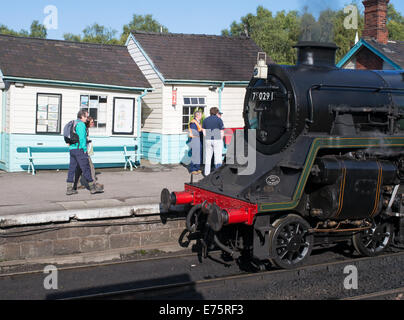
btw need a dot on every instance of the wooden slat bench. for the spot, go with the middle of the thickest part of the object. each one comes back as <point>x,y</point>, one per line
<point>130,154</point>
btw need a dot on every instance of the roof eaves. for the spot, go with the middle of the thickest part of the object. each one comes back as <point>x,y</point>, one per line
<point>381,55</point>
<point>356,48</point>
<point>74,84</point>
<point>148,59</point>
<point>350,54</point>
<point>206,82</point>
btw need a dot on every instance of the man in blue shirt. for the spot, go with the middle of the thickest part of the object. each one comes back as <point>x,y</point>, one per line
<point>79,156</point>
<point>213,130</point>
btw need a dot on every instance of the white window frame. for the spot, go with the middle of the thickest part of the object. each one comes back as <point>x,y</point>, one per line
<point>191,106</point>
<point>97,129</point>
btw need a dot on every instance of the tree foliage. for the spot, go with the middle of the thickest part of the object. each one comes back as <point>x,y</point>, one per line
<point>142,23</point>
<point>100,34</point>
<point>395,24</point>
<point>277,34</point>
<point>37,30</point>
<point>94,34</point>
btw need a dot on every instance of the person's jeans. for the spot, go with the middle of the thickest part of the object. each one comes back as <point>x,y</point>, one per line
<point>78,158</point>
<point>80,178</point>
<point>213,147</point>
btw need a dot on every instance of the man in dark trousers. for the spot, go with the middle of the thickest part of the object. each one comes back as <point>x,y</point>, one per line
<point>213,130</point>
<point>79,156</point>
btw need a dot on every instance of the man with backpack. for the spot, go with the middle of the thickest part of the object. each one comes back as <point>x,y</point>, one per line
<point>75,134</point>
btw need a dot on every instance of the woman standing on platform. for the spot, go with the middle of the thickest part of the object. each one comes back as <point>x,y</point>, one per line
<point>196,143</point>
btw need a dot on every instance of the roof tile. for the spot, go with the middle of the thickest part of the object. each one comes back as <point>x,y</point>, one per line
<point>200,57</point>
<point>69,61</point>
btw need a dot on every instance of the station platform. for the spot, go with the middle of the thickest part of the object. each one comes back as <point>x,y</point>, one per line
<point>28,200</point>
<point>38,222</point>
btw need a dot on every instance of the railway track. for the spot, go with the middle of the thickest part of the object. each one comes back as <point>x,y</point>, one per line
<point>94,265</point>
<point>170,290</point>
<point>393,294</point>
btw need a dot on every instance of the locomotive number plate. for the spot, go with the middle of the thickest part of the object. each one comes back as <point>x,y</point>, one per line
<point>263,96</point>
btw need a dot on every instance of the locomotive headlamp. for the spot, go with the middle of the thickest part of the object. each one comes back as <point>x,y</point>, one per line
<point>261,68</point>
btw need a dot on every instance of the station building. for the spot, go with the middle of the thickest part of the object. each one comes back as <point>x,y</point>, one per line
<point>375,51</point>
<point>141,95</point>
<point>189,72</point>
<point>46,82</point>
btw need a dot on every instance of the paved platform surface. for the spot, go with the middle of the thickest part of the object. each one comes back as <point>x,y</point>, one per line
<point>26,199</point>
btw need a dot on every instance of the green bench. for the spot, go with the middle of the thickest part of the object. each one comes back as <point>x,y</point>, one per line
<point>131,156</point>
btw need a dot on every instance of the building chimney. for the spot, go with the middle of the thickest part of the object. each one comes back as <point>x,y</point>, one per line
<point>375,20</point>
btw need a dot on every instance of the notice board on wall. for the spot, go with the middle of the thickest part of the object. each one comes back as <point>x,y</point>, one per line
<point>123,116</point>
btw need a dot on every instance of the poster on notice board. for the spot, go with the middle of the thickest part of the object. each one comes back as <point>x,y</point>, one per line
<point>124,116</point>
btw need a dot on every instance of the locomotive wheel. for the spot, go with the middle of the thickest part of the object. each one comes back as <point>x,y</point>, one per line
<point>290,242</point>
<point>374,241</point>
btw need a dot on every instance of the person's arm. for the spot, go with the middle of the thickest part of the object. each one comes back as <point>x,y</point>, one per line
<point>193,129</point>
<point>82,133</point>
<point>221,128</point>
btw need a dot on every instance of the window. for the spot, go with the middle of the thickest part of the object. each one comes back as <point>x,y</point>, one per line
<point>191,104</point>
<point>96,107</point>
<point>48,111</point>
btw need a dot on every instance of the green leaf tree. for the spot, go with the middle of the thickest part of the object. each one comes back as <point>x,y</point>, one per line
<point>94,34</point>
<point>275,35</point>
<point>395,24</point>
<point>142,23</point>
<point>38,30</point>
<point>99,34</point>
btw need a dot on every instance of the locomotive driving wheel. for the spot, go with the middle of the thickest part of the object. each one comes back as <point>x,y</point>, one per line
<point>373,241</point>
<point>290,241</point>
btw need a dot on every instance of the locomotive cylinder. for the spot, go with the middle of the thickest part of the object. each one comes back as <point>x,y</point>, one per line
<point>349,189</point>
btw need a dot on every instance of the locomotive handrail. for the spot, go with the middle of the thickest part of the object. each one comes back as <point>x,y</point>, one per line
<point>376,89</point>
<point>310,120</point>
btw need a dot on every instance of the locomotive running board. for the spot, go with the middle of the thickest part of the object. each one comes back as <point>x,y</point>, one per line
<point>328,143</point>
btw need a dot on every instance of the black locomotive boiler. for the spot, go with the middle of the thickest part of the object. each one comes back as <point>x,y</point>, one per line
<point>329,165</point>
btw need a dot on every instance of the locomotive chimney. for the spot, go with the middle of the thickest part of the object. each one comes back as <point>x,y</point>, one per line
<point>375,20</point>
<point>316,53</point>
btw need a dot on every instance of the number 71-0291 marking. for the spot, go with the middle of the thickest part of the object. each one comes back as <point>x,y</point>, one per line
<point>263,96</point>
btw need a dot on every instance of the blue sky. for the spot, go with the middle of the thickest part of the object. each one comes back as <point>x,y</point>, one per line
<point>179,16</point>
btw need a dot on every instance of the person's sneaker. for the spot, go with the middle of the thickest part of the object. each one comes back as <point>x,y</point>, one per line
<point>95,188</point>
<point>199,171</point>
<point>70,191</point>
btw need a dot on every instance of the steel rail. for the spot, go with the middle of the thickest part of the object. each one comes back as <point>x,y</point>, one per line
<point>167,289</point>
<point>94,265</point>
<point>377,294</point>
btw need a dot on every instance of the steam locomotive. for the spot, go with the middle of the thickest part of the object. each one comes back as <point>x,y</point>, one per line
<point>328,152</point>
